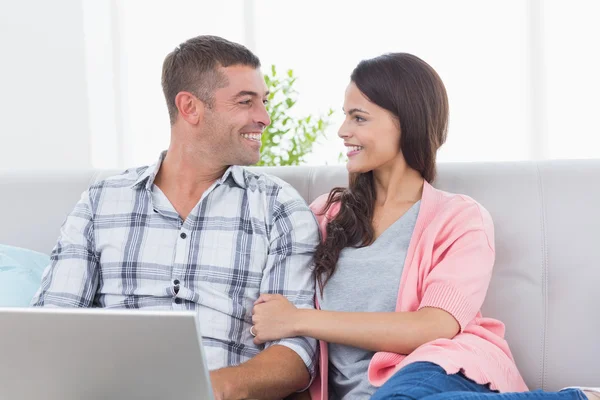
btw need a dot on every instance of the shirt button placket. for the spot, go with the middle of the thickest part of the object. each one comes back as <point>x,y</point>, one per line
<point>180,255</point>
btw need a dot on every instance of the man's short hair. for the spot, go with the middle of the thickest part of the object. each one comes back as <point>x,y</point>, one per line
<point>193,67</point>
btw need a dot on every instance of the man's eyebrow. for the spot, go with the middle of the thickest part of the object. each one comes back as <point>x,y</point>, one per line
<point>250,93</point>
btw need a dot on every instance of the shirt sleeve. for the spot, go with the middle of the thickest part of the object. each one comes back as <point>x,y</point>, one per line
<point>71,279</point>
<point>293,239</point>
<point>462,266</point>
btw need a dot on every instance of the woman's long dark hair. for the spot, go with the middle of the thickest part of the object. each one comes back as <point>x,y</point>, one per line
<point>411,90</point>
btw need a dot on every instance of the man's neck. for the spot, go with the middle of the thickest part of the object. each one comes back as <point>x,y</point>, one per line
<point>187,171</point>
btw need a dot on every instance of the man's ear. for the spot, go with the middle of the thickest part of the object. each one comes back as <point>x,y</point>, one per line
<point>190,108</point>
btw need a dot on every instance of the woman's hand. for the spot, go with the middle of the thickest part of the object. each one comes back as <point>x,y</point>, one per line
<point>274,317</point>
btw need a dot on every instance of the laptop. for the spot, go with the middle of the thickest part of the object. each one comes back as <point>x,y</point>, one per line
<point>89,354</point>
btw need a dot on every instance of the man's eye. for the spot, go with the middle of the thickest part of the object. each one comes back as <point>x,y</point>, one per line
<point>246,102</point>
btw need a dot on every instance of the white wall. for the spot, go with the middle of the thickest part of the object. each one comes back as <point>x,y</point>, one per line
<point>572,62</point>
<point>480,49</point>
<point>43,94</point>
<point>80,79</point>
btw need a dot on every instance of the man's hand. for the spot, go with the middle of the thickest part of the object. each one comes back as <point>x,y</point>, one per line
<point>223,385</point>
<point>272,374</point>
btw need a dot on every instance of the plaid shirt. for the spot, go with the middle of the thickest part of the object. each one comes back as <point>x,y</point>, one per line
<point>125,246</point>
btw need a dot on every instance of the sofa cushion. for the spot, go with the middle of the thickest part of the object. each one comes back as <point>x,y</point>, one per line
<point>20,275</point>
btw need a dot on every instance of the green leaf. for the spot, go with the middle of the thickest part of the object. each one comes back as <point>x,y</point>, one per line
<point>288,139</point>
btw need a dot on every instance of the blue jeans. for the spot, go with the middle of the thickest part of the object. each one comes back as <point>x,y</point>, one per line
<point>424,380</point>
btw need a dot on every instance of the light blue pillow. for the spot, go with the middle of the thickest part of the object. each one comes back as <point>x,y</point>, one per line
<point>20,275</point>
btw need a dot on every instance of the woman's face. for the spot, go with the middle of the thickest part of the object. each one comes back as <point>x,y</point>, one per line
<point>371,134</point>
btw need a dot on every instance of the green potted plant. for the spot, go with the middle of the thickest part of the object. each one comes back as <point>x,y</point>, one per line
<point>288,140</point>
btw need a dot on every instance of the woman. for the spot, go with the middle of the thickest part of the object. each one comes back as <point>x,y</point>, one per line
<point>404,268</point>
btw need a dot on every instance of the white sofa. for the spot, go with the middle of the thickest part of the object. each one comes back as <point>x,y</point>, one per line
<point>546,283</point>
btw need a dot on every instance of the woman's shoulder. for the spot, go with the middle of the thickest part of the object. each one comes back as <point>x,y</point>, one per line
<point>461,211</point>
<point>319,208</point>
<point>319,204</point>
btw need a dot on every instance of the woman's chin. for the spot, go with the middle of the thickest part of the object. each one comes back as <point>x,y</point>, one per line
<point>356,168</point>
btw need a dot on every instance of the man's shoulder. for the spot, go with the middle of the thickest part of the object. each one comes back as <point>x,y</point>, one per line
<point>272,186</point>
<point>119,186</point>
<point>124,179</point>
<point>286,205</point>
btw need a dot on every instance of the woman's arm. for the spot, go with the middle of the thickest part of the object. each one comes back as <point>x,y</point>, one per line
<point>397,332</point>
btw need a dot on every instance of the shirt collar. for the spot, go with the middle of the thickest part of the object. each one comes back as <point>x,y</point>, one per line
<point>149,174</point>
<point>235,172</point>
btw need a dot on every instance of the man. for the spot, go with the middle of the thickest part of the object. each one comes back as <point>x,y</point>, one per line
<point>196,230</point>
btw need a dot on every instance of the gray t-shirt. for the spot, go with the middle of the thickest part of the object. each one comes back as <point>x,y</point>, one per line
<point>366,279</point>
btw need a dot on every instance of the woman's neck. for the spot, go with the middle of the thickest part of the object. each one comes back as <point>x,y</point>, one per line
<point>397,183</point>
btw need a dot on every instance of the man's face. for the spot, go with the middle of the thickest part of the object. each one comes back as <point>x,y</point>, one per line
<point>234,124</point>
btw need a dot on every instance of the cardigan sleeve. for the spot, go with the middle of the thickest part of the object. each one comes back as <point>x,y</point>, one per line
<point>461,269</point>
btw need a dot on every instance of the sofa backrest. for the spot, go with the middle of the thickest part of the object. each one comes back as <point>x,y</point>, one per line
<point>546,282</point>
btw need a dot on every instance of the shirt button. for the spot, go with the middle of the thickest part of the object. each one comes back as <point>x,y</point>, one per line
<point>178,301</point>
<point>183,235</point>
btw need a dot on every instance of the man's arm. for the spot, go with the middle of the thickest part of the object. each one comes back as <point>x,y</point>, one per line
<point>71,279</point>
<point>272,374</point>
<point>287,365</point>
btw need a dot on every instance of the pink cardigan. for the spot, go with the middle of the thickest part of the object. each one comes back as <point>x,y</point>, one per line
<point>448,266</point>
